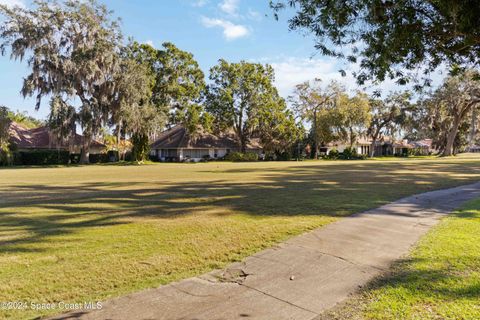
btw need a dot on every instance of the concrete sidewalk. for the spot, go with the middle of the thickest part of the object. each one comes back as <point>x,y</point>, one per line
<point>300,278</point>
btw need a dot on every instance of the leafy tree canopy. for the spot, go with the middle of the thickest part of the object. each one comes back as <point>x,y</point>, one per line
<point>446,111</point>
<point>242,97</point>
<point>315,104</point>
<point>72,49</point>
<point>24,119</point>
<point>4,128</point>
<point>391,38</point>
<point>178,82</point>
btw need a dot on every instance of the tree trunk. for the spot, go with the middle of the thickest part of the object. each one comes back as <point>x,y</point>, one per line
<point>372,147</point>
<point>85,155</point>
<point>448,151</point>
<point>243,143</point>
<point>119,129</point>
<point>351,138</point>
<point>315,136</point>
<point>473,128</point>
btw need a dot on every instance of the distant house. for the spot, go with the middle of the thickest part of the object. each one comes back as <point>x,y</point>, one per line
<point>385,146</point>
<point>474,148</point>
<point>362,146</point>
<point>41,138</point>
<point>422,147</point>
<point>177,144</point>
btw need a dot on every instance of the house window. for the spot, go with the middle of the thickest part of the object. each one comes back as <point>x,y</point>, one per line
<point>195,153</point>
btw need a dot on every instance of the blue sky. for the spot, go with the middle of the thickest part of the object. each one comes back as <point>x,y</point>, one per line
<point>211,29</point>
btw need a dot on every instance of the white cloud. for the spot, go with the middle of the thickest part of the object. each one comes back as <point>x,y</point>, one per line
<point>200,3</point>
<point>254,15</point>
<point>231,31</point>
<point>150,43</point>
<point>229,6</point>
<point>13,3</point>
<point>290,71</point>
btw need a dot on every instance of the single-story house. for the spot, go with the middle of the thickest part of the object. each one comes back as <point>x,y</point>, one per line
<point>41,138</point>
<point>422,147</point>
<point>362,145</point>
<point>177,144</point>
<point>474,148</point>
<point>385,146</point>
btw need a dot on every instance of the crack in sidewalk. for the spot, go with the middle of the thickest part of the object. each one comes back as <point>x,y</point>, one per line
<point>279,299</point>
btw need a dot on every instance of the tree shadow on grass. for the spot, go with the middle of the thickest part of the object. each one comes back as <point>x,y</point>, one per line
<point>45,211</point>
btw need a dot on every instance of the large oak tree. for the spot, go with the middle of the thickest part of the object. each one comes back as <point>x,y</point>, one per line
<point>71,48</point>
<point>178,82</point>
<point>242,97</point>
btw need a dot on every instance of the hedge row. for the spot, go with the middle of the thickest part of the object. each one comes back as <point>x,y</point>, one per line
<point>242,157</point>
<point>41,157</point>
<point>51,157</point>
<point>347,154</point>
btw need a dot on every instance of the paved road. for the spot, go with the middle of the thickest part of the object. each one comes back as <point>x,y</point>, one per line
<point>300,278</point>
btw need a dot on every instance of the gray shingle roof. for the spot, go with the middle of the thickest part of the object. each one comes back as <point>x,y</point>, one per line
<point>40,138</point>
<point>179,138</point>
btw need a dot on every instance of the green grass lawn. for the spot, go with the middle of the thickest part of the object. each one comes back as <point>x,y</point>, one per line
<point>89,233</point>
<point>440,279</point>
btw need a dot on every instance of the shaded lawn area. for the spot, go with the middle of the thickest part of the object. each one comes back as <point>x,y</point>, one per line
<point>440,279</point>
<point>89,233</point>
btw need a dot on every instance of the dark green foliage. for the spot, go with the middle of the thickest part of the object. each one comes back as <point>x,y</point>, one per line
<point>178,82</point>
<point>333,154</point>
<point>72,49</point>
<point>98,158</point>
<point>41,157</point>
<point>74,158</point>
<point>113,156</point>
<point>6,158</point>
<point>128,156</point>
<point>242,96</point>
<point>391,39</point>
<point>141,147</point>
<point>24,119</point>
<point>347,154</point>
<point>153,158</point>
<point>242,157</point>
<point>284,156</point>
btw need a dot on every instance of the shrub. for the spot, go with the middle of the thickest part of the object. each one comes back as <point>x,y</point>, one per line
<point>113,156</point>
<point>250,156</point>
<point>6,157</point>
<point>234,156</point>
<point>74,158</point>
<point>98,158</point>
<point>349,154</point>
<point>242,157</point>
<point>333,154</point>
<point>153,158</point>
<point>41,157</point>
<point>128,156</point>
<point>284,156</point>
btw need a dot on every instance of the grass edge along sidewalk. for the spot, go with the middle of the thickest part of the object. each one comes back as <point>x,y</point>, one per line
<point>439,279</point>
